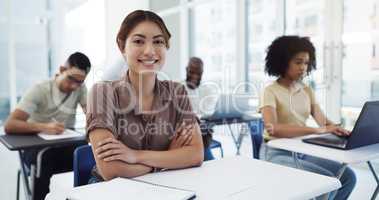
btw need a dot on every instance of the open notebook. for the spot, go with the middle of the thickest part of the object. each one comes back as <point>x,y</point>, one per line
<point>66,134</point>
<point>122,188</point>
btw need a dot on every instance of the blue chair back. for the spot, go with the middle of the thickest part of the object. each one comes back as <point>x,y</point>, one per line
<point>256,134</point>
<point>208,155</point>
<point>83,164</point>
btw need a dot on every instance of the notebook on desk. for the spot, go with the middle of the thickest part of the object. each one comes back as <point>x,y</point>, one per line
<point>122,188</point>
<point>66,134</point>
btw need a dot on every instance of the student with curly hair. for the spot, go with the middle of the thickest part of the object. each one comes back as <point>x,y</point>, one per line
<point>287,103</point>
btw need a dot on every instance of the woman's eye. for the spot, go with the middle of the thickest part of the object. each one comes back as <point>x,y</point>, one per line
<point>159,42</point>
<point>138,41</point>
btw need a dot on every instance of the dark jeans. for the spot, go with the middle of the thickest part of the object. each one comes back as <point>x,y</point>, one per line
<point>316,165</point>
<point>54,160</point>
<point>94,179</point>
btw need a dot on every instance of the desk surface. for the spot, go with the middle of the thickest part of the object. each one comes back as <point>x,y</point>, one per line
<point>240,178</point>
<point>21,142</point>
<point>243,178</point>
<point>358,155</point>
<point>218,121</point>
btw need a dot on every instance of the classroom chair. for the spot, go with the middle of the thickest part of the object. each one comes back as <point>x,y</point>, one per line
<point>83,164</point>
<point>216,144</point>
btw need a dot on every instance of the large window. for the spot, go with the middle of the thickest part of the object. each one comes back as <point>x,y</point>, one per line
<point>23,49</point>
<point>214,40</point>
<point>163,5</point>
<point>263,27</point>
<point>344,32</point>
<point>173,64</point>
<point>36,37</point>
<point>306,18</point>
<point>361,60</point>
<point>84,30</point>
<point>4,75</point>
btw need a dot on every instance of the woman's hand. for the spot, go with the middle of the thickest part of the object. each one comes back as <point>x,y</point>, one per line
<point>337,130</point>
<point>183,136</point>
<point>111,149</point>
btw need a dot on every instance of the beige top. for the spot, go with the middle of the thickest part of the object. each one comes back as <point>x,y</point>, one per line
<point>293,106</point>
<point>45,102</point>
<point>112,105</point>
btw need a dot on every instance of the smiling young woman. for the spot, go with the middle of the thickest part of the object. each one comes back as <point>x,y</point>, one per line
<point>140,124</point>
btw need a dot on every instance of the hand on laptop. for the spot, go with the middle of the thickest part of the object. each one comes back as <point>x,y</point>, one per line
<point>337,130</point>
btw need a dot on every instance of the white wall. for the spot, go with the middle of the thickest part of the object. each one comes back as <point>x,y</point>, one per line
<point>177,56</point>
<point>115,12</point>
<point>173,67</point>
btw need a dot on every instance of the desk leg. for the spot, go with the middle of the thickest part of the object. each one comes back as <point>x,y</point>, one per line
<point>376,179</point>
<point>27,189</point>
<point>32,180</point>
<point>237,141</point>
<point>241,135</point>
<point>35,172</point>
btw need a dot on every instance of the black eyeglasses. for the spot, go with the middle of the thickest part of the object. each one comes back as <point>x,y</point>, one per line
<point>74,80</point>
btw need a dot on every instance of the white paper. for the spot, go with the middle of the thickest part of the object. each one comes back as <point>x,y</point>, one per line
<point>122,188</point>
<point>66,134</point>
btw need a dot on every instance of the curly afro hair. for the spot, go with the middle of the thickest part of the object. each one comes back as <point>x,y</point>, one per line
<point>283,49</point>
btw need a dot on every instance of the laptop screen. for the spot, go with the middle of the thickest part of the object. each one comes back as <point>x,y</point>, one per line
<point>366,130</point>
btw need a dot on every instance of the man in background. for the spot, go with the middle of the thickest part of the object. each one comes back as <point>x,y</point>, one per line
<point>202,98</point>
<point>50,107</point>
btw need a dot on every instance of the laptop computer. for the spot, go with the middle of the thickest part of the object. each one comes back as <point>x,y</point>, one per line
<point>230,106</point>
<point>365,131</point>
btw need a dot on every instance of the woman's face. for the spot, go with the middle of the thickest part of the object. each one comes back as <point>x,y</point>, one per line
<point>297,66</point>
<point>145,48</point>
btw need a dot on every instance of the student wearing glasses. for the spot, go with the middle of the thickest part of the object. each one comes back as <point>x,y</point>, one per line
<point>140,124</point>
<point>287,103</point>
<point>50,107</point>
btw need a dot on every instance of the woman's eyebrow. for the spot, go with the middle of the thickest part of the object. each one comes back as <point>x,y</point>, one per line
<point>139,35</point>
<point>158,36</point>
<point>143,36</point>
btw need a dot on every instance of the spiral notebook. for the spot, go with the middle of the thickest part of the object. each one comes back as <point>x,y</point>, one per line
<point>122,188</point>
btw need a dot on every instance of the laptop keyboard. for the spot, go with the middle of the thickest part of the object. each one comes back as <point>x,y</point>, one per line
<point>332,139</point>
